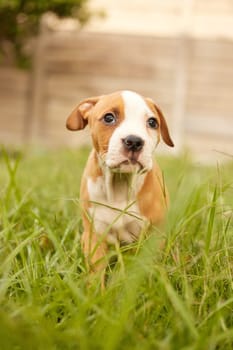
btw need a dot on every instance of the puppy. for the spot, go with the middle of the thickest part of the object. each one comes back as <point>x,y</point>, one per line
<point>122,190</point>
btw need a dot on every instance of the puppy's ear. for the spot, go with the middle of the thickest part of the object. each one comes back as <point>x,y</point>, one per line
<point>164,128</point>
<point>78,118</point>
<point>163,125</point>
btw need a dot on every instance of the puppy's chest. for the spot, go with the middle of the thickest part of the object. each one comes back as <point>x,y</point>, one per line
<point>114,208</point>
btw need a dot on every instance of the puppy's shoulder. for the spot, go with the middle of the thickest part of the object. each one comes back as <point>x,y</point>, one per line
<point>91,172</point>
<point>153,196</point>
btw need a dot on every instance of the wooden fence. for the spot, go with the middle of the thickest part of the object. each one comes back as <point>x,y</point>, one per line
<point>191,79</point>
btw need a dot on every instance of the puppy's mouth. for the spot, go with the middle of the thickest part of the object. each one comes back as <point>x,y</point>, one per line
<point>129,165</point>
<point>131,161</point>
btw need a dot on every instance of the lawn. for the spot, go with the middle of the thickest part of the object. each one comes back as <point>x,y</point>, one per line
<point>179,297</point>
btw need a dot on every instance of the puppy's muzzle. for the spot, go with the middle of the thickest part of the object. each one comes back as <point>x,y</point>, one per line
<point>133,143</point>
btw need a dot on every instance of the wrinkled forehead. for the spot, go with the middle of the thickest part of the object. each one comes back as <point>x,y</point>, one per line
<point>127,104</point>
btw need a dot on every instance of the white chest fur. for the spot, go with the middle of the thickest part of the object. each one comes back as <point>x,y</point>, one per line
<point>114,209</point>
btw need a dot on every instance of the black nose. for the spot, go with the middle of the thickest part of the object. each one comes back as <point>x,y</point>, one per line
<point>133,143</point>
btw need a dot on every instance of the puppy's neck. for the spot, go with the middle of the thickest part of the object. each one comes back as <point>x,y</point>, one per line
<point>121,186</point>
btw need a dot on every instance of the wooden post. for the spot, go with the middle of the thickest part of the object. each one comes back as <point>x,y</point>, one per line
<point>180,87</point>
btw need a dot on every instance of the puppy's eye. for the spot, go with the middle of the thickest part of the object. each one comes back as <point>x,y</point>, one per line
<point>109,119</point>
<point>152,123</point>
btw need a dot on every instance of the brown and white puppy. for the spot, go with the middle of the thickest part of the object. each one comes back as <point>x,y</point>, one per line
<point>122,189</point>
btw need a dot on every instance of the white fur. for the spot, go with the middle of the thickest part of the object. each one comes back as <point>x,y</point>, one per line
<point>114,211</point>
<point>136,112</point>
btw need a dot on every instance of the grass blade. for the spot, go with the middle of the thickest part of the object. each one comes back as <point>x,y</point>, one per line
<point>211,221</point>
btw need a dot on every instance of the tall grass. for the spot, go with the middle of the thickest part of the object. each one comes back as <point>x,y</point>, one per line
<point>178,297</point>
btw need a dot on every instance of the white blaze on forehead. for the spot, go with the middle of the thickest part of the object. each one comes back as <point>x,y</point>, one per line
<point>135,107</point>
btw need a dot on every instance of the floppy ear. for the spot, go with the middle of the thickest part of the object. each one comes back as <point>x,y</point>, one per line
<point>78,118</point>
<point>164,128</point>
<point>163,125</point>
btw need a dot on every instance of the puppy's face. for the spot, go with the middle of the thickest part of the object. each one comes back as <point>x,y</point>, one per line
<point>125,129</point>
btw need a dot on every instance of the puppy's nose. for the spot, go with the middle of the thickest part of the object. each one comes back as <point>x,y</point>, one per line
<point>133,143</point>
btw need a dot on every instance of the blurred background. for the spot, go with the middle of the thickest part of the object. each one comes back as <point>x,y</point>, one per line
<point>178,52</point>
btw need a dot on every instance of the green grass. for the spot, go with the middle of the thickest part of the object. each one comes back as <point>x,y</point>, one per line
<point>180,297</point>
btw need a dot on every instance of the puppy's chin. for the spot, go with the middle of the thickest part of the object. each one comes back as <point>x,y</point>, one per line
<point>127,166</point>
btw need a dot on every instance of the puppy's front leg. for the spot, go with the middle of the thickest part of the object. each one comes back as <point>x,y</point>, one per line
<point>95,251</point>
